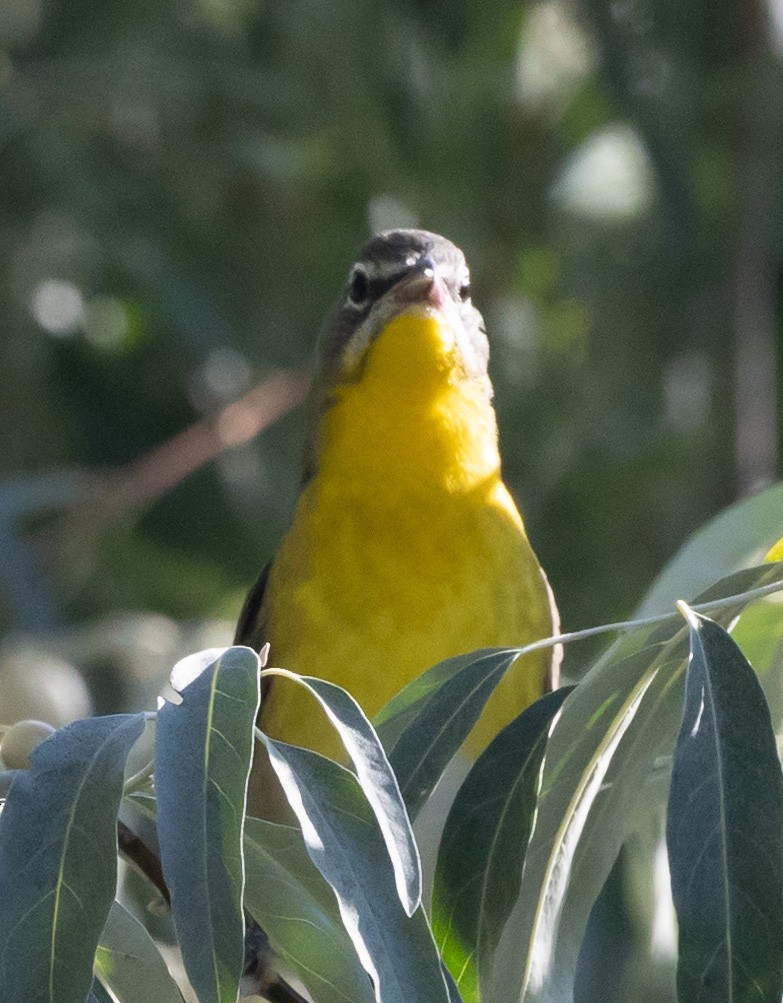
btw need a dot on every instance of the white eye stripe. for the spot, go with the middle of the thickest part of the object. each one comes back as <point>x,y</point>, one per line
<point>382,270</point>
<point>360,269</point>
<point>379,273</point>
<point>358,287</point>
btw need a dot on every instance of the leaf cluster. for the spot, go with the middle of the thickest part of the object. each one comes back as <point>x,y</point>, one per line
<point>337,906</point>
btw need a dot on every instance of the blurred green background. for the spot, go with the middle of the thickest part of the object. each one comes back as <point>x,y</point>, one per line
<point>183,187</point>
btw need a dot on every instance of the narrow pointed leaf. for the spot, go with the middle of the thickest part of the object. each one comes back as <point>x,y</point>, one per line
<point>621,718</point>
<point>58,859</point>
<point>451,986</point>
<point>297,909</point>
<point>738,537</point>
<point>482,851</point>
<point>203,753</point>
<point>346,845</point>
<point>443,719</point>
<point>130,964</point>
<point>392,719</point>
<point>725,829</point>
<point>377,781</point>
<point>759,634</point>
<point>98,994</point>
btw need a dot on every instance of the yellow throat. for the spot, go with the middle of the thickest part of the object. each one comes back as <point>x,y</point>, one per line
<point>412,420</point>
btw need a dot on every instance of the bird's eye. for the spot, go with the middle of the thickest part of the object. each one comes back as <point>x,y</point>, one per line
<point>464,291</point>
<point>358,286</point>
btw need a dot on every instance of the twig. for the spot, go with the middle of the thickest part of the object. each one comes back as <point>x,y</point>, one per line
<point>155,473</point>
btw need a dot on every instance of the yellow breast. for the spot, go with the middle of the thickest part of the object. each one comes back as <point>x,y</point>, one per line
<point>406,547</point>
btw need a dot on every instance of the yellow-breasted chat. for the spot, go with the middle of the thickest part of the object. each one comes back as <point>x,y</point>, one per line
<point>405,546</point>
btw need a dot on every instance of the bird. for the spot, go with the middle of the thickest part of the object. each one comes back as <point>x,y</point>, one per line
<point>405,547</point>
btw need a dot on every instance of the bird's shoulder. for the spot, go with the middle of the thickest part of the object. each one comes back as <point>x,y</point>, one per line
<point>250,626</point>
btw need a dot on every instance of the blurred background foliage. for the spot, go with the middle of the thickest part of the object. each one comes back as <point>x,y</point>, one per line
<point>183,187</point>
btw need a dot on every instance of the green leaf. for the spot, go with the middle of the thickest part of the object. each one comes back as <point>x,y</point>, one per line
<point>438,718</point>
<point>98,994</point>
<point>345,844</point>
<point>204,748</point>
<point>130,964</point>
<point>725,829</point>
<point>451,985</point>
<point>287,896</point>
<point>58,859</point>
<point>738,537</point>
<point>377,781</point>
<point>392,719</point>
<point>759,634</point>
<point>600,756</point>
<point>482,851</point>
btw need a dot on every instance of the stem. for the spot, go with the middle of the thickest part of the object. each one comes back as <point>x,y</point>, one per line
<point>139,779</point>
<point>624,626</point>
<point>145,860</point>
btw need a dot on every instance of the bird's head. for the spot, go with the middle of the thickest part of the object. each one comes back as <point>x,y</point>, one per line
<point>404,327</point>
<point>408,290</point>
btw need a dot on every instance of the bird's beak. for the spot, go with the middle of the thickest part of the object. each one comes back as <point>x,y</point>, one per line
<point>422,287</point>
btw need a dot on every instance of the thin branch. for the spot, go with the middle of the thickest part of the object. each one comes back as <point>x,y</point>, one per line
<point>154,474</point>
<point>142,858</point>
<point>619,627</point>
<point>139,779</point>
<point>623,626</point>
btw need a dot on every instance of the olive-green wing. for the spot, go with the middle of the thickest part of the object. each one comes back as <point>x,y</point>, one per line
<point>251,626</point>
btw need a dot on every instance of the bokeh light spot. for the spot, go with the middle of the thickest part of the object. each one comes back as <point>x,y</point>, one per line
<point>58,307</point>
